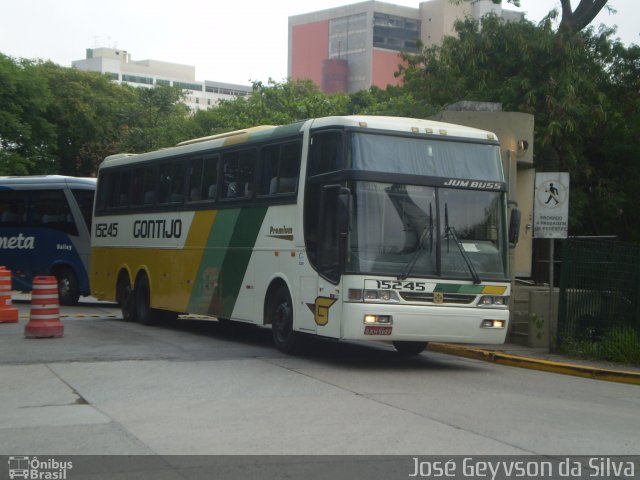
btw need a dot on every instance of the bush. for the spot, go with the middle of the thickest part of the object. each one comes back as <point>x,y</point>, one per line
<point>621,344</point>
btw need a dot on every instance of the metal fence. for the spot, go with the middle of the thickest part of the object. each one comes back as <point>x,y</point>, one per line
<point>599,309</point>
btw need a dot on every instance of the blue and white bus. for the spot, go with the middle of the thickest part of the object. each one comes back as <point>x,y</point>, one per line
<point>45,229</point>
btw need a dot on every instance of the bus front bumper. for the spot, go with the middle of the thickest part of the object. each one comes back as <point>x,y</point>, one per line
<point>420,323</point>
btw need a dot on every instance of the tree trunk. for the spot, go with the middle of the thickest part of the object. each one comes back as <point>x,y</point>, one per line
<point>582,16</point>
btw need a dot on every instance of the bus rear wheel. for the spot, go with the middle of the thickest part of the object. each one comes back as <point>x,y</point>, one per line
<point>410,349</point>
<point>281,317</point>
<point>125,298</point>
<point>143,310</point>
<point>68,292</point>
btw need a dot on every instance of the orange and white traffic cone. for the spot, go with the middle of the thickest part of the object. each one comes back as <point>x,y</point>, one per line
<point>44,319</point>
<point>8,313</point>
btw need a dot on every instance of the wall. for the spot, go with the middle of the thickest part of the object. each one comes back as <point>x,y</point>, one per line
<point>309,46</point>
<point>385,64</point>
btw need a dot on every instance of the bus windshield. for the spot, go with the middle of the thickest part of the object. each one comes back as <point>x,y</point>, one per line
<point>425,157</point>
<point>420,231</point>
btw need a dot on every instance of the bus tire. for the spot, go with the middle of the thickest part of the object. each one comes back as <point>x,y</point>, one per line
<point>68,292</point>
<point>144,314</point>
<point>280,312</point>
<point>125,298</point>
<point>410,349</point>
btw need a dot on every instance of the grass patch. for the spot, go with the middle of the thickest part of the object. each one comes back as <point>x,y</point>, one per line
<point>620,344</point>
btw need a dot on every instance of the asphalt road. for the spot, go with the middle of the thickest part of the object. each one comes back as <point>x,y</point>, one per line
<point>194,387</point>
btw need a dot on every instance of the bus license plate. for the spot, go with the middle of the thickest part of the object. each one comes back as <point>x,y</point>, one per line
<point>377,330</point>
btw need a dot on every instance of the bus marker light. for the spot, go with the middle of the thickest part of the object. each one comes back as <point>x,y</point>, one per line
<point>369,318</point>
<point>355,294</point>
<point>493,324</point>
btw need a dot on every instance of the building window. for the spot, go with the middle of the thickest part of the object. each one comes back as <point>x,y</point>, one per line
<point>137,79</point>
<point>395,33</point>
<point>188,86</point>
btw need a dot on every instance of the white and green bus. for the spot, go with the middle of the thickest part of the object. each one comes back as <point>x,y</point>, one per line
<point>357,227</point>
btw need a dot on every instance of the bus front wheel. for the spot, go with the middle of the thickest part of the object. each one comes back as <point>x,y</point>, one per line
<point>281,316</point>
<point>409,349</point>
<point>67,287</point>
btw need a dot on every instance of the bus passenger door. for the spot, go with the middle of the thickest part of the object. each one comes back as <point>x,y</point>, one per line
<point>327,305</point>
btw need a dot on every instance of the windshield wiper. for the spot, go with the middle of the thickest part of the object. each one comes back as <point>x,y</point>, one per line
<point>426,232</point>
<point>448,230</point>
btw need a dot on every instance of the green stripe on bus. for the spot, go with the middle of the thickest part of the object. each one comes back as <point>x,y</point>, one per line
<point>207,280</point>
<point>238,255</point>
<point>457,288</point>
<point>225,260</point>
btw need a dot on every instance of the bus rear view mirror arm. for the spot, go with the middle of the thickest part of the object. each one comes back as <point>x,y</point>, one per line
<point>514,227</point>
<point>345,206</point>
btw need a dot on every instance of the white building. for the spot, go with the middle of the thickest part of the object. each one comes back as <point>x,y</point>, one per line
<point>148,73</point>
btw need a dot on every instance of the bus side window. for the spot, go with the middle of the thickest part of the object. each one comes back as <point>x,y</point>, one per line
<point>113,190</point>
<point>195,180</point>
<point>50,209</point>
<point>326,153</point>
<point>149,186</point>
<point>269,174</point>
<point>289,168</point>
<point>101,201</point>
<point>239,174</point>
<point>137,187</point>
<point>125,186</point>
<point>171,185</point>
<point>280,169</point>
<point>210,178</point>
<point>13,208</point>
<point>84,199</point>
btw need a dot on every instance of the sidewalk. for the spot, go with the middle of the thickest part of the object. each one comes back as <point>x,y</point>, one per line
<point>540,359</point>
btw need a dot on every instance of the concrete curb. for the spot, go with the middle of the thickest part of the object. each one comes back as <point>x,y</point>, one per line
<point>619,376</point>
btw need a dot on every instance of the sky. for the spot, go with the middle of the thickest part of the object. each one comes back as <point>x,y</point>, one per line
<point>227,41</point>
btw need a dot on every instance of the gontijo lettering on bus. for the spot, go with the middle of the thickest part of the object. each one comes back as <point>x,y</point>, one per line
<point>159,228</point>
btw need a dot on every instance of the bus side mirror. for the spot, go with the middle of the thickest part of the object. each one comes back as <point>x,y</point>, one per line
<point>344,211</point>
<point>514,227</point>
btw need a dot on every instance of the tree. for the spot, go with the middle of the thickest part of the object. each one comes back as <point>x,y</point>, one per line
<point>272,103</point>
<point>156,118</point>
<point>26,136</point>
<point>575,86</point>
<point>86,109</point>
<point>571,20</point>
<point>582,16</point>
